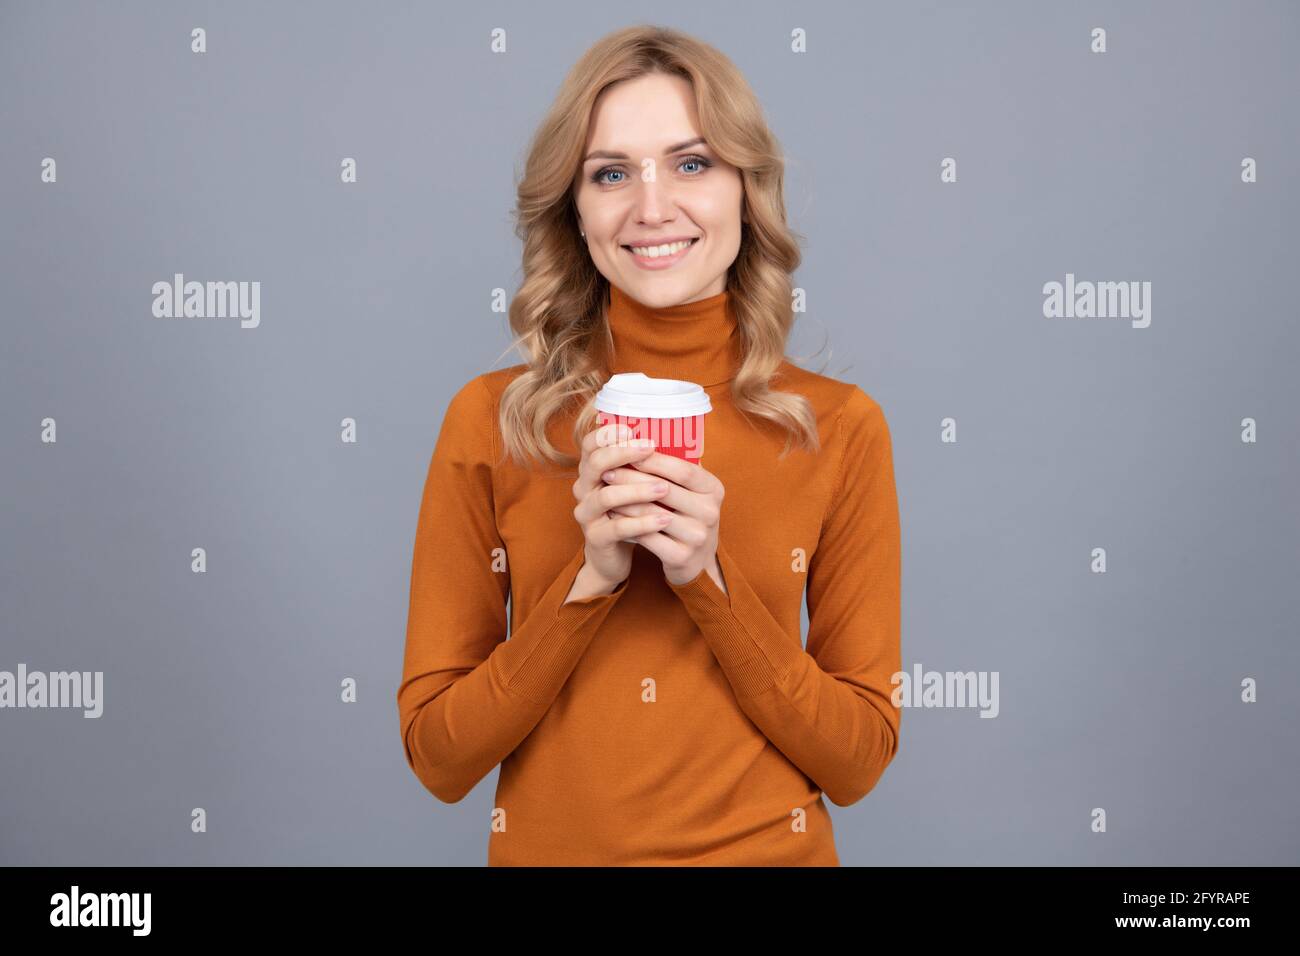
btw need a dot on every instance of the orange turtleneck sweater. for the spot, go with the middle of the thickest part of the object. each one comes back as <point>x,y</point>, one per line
<point>659,724</point>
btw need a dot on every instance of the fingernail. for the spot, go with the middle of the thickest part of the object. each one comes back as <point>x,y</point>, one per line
<point>607,476</point>
<point>644,443</point>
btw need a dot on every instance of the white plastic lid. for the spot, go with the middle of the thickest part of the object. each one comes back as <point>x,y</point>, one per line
<point>637,395</point>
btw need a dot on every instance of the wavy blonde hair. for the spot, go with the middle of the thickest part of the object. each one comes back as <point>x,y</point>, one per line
<point>558,314</point>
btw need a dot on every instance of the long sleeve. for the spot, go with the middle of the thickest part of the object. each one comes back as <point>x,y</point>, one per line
<point>829,708</point>
<point>468,697</point>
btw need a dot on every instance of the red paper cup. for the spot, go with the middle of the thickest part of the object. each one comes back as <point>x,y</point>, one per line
<point>668,411</point>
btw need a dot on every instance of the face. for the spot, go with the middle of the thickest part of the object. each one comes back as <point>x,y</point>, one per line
<point>648,180</point>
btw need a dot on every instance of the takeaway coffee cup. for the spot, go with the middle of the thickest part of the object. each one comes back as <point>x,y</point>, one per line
<point>668,411</point>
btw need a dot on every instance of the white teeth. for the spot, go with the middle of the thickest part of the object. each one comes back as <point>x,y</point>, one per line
<point>654,252</point>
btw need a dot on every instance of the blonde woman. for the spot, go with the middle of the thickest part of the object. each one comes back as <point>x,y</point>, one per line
<point>654,703</point>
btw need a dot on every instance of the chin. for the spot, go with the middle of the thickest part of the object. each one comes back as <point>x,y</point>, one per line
<point>662,290</point>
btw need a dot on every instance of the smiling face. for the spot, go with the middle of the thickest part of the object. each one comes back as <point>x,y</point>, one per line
<point>661,210</point>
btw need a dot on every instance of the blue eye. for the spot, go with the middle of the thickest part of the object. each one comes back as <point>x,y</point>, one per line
<point>701,161</point>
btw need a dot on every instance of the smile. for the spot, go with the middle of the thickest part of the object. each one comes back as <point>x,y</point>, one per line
<point>659,257</point>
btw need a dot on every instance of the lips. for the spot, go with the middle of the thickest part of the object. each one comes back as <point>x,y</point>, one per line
<point>661,262</point>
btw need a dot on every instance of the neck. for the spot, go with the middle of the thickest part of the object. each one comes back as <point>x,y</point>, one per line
<point>694,341</point>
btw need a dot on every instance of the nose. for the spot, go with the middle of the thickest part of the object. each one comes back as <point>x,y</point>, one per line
<point>654,202</point>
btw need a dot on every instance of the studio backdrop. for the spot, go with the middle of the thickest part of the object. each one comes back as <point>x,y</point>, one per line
<point>1055,243</point>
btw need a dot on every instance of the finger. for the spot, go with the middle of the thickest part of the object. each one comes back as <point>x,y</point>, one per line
<point>675,498</point>
<point>588,475</point>
<point>608,434</point>
<point>609,497</point>
<point>627,474</point>
<point>665,548</point>
<point>689,475</point>
<point>621,453</point>
<point>604,498</point>
<point>639,508</point>
<point>680,527</point>
<point>701,506</point>
<point>620,528</point>
<point>684,529</point>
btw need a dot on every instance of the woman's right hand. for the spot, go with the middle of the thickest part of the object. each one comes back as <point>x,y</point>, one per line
<point>611,539</point>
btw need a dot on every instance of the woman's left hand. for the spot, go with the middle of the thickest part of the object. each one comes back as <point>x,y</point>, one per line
<point>688,544</point>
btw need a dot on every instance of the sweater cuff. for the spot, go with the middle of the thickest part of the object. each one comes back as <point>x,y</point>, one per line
<point>754,651</point>
<point>568,576</point>
<point>566,630</point>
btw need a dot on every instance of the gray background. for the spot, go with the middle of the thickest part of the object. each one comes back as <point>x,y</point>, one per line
<point>222,689</point>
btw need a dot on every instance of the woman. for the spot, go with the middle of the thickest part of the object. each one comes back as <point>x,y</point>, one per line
<point>654,704</point>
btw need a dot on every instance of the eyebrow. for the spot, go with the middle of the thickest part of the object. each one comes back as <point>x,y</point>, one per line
<point>676,147</point>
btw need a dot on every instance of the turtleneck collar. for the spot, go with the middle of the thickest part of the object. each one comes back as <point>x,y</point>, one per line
<point>695,341</point>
